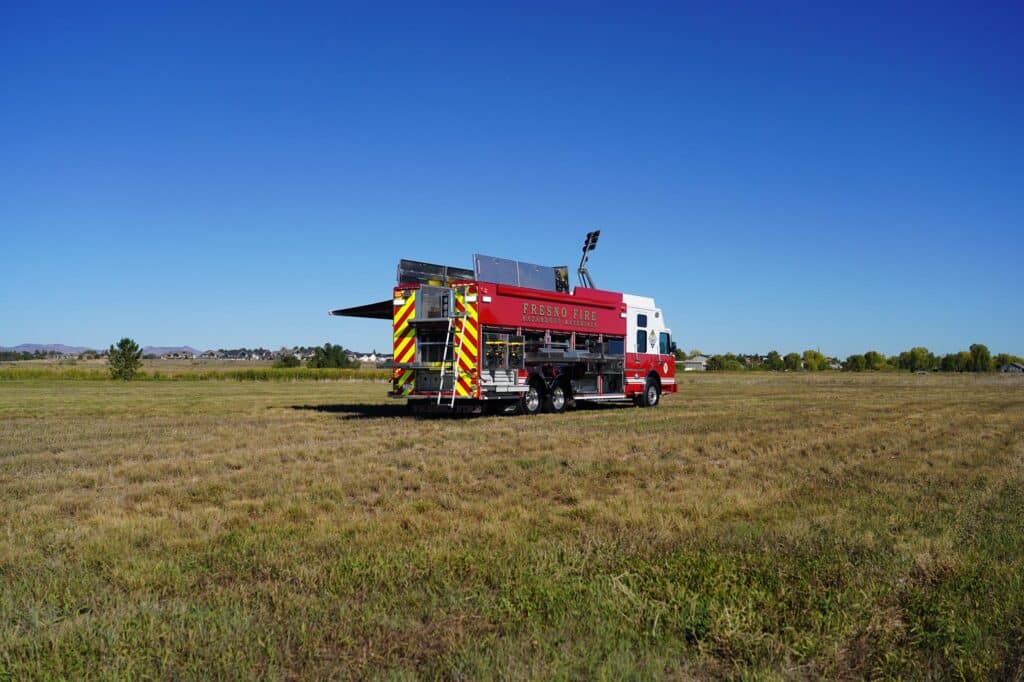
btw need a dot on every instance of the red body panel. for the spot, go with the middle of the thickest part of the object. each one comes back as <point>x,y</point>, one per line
<point>588,311</point>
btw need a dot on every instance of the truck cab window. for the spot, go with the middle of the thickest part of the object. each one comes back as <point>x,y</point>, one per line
<point>641,321</point>
<point>664,343</point>
<point>641,340</point>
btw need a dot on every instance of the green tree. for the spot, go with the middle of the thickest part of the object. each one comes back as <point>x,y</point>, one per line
<point>1004,359</point>
<point>855,363</point>
<point>964,360</point>
<point>791,362</point>
<point>124,359</point>
<point>330,355</point>
<point>814,361</point>
<point>981,359</point>
<point>774,361</point>
<point>874,360</point>
<point>921,359</point>
<point>287,361</point>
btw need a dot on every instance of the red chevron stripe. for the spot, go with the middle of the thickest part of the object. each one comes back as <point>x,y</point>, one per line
<point>405,317</point>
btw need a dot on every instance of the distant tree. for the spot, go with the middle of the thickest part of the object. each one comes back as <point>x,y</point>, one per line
<point>874,360</point>
<point>921,359</point>
<point>774,361</point>
<point>680,355</point>
<point>791,362</point>
<point>124,359</point>
<point>814,361</point>
<point>964,360</point>
<point>855,363</point>
<point>694,353</point>
<point>1003,359</point>
<point>727,362</point>
<point>981,359</point>
<point>329,355</point>
<point>288,360</point>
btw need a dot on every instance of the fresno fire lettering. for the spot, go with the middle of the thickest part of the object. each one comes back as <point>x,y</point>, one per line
<point>568,316</point>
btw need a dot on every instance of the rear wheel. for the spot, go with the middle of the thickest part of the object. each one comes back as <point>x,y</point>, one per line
<point>652,394</point>
<point>558,399</point>
<point>532,400</point>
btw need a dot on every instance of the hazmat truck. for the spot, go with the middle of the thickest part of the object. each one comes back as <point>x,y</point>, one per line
<point>509,336</point>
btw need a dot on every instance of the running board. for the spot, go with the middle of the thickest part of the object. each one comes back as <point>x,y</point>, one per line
<point>603,396</point>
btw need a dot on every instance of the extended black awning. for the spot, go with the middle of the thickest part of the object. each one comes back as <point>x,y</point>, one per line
<point>377,311</point>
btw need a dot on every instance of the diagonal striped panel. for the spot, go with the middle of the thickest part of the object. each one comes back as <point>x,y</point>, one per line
<point>405,341</point>
<point>467,342</point>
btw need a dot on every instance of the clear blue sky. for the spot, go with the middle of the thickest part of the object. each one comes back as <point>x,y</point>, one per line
<point>784,177</point>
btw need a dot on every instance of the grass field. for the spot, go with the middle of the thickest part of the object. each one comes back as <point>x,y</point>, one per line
<point>753,525</point>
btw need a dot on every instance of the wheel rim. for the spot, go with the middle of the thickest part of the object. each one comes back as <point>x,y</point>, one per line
<point>558,398</point>
<point>532,399</point>
<point>652,394</point>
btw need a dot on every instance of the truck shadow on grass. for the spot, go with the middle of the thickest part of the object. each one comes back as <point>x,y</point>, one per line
<point>348,411</point>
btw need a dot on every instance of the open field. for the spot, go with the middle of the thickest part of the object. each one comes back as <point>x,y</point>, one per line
<point>182,370</point>
<point>753,525</point>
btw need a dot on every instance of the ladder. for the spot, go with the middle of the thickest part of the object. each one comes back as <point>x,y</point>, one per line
<point>456,354</point>
<point>456,370</point>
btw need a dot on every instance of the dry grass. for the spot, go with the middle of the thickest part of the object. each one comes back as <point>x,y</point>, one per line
<point>752,525</point>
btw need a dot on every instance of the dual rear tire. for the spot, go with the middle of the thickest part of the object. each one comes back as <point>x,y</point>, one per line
<point>537,399</point>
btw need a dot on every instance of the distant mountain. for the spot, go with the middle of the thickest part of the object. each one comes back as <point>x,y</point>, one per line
<point>164,350</point>
<point>75,350</point>
<point>46,348</point>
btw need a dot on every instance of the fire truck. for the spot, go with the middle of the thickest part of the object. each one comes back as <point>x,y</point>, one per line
<point>510,337</point>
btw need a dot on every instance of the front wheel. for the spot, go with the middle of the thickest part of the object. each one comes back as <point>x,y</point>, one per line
<point>532,400</point>
<point>652,394</point>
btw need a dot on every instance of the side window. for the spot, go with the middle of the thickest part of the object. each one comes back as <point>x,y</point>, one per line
<point>663,342</point>
<point>641,321</point>
<point>641,340</point>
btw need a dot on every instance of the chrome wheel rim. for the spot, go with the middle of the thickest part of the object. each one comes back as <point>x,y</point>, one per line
<point>532,399</point>
<point>558,398</point>
<point>652,395</point>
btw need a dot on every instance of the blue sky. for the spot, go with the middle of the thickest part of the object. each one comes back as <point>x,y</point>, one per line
<point>784,177</point>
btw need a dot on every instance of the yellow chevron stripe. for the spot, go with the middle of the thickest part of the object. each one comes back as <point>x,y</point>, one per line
<point>467,343</point>
<point>405,344</point>
<point>405,348</point>
<point>400,313</point>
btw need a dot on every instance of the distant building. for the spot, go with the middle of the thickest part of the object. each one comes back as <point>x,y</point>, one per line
<point>1012,368</point>
<point>698,363</point>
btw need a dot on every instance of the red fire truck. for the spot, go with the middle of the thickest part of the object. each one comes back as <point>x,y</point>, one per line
<point>509,335</point>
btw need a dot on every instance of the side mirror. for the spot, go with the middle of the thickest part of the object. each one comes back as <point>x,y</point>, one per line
<point>673,348</point>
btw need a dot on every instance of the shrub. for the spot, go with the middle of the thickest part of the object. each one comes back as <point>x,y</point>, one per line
<point>124,359</point>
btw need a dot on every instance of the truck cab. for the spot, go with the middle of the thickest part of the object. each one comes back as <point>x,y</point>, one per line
<point>650,353</point>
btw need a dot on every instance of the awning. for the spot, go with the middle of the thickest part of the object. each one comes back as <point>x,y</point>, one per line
<point>382,310</point>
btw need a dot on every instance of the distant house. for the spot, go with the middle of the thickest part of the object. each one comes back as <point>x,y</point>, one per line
<point>1012,368</point>
<point>698,363</point>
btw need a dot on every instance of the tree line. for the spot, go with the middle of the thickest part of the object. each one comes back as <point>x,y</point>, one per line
<point>918,359</point>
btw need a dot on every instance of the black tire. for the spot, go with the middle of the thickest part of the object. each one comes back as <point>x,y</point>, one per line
<point>558,398</point>
<point>532,401</point>
<point>652,393</point>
